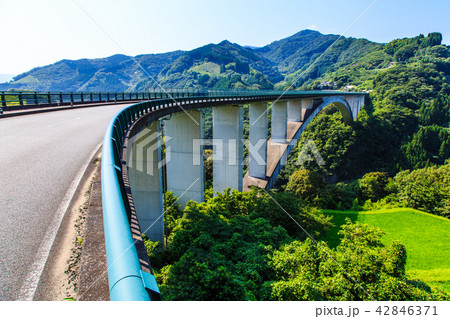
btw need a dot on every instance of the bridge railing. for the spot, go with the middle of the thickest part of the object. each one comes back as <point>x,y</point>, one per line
<point>127,281</point>
<point>27,99</point>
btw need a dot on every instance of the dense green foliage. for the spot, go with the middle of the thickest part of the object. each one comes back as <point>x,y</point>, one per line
<point>425,236</point>
<point>430,145</point>
<point>427,189</point>
<point>359,268</point>
<point>244,246</point>
<point>374,186</point>
<point>438,112</point>
<point>219,250</point>
<point>305,184</point>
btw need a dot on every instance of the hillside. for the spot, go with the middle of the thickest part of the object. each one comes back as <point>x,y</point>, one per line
<point>115,73</point>
<point>224,65</point>
<point>220,66</point>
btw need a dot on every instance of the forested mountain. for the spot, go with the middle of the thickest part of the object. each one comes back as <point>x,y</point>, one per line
<point>403,129</point>
<point>220,66</point>
<point>223,65</point>
<point>115,73</point>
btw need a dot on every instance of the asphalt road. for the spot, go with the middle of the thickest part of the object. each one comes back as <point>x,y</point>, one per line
<point>40,156</point>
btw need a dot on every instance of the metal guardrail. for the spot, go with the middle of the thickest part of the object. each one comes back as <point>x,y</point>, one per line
<point>26,98</point>
<point>19,99</point>
<point>126,279</point>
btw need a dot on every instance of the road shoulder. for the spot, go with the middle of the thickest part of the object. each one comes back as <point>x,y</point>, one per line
<point>60,277</point>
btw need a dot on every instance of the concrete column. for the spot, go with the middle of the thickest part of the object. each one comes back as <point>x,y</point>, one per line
<point>279,122</point>
<point>295,110</point>
<point>355,102</point>
<point>307,104</point>
<point>145,178</point>
<point>228,148</point>
<point>184,176</point>
<point>258,134</point>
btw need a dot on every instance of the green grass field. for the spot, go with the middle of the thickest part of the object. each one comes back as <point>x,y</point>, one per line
<point>425,236</point>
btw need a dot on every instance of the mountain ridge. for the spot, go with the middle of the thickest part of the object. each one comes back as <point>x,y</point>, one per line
<point>289,62</point>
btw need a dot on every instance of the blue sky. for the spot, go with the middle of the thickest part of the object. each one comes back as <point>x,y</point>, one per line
<point>36,33</point>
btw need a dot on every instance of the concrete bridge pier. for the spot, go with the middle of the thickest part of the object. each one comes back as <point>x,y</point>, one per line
<point>258,133</point>
<point>145,176</point>
<point>279,122</point>
<point>279,129</point>
<point>307,104</point>
<point>294,110</point>
<point>355,102</point>
<point>228,148</point>
<point>184,175</point>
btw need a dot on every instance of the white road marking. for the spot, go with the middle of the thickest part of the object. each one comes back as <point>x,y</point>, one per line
<point>31,281</point>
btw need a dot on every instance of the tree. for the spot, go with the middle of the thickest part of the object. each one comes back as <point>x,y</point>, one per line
<point>305,184</point>
<point>406,52</point>
<point>373,186</point>
<point>172,212</point>
<point>434,38</point>
<point>438,112</point>
<point>359,268</point>
<point>430,145</point>
<point>219,250</point>
<point>427,189</point>
<point>208,164</point>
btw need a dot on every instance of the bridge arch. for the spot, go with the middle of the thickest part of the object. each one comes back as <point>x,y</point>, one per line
<point>341,104</point>
<point>274,169</point>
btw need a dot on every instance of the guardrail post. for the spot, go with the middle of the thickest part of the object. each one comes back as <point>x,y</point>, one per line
<point>71,97</point>
<point>20,99</point>
<point>49,98</point>
<point>36,99</point>
<point>82,97</point>
<point>61,98</point>
<point>3,100</point>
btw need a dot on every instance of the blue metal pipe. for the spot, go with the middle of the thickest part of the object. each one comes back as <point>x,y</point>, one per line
<point>124,270</point>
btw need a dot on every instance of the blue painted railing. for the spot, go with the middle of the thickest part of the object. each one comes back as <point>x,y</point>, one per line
<point>124,270</point>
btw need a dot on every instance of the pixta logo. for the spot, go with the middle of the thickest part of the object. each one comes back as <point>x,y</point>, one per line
<point>308,148</point>
<point>145,154</point>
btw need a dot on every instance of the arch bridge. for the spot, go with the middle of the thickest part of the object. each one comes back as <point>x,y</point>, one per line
<point>158,145</point>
